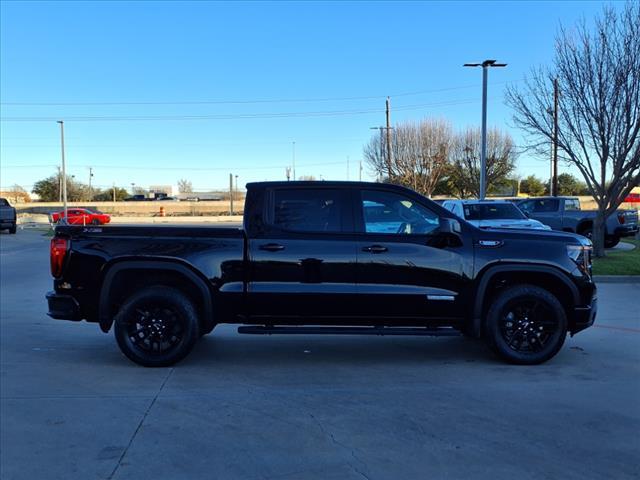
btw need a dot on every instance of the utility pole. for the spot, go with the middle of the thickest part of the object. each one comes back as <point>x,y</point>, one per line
<point>294,161</point>
<point>64,171</point>
<point>59,185</point>
<point>483,152</point>
<point>231,192</point>
<point>114,191</point>
<point>382,147</point>
<point>236,192</point>
<point>90,177</point>
<point>360,172</point>
<point>388,111</point>
<point>347,167</point>
<point>554,183</point>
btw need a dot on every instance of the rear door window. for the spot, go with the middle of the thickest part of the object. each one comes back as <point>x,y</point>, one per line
<point>308,210</point>
<point>571,205</point>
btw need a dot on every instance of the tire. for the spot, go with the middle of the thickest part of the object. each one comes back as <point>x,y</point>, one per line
<point>526,325</point>
<point>13,229</point>
<point>610,242</point>
<point>157,327</point>
<point>587,232</point>
<point>95,221</point>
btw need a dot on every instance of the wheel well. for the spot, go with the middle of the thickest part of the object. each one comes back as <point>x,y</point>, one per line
<point>548,281</point>
<point>584,226</point>
<point>127,281</point>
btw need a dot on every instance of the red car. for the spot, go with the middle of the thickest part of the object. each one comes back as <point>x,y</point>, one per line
<point>82,216</point>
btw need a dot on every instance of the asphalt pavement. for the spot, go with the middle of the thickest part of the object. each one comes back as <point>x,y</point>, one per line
<point>308,407</point>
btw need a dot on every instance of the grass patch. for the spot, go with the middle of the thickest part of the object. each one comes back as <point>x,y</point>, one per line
<point>619,262</point>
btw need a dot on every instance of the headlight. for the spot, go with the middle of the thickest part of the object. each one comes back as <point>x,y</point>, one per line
<point>581,255</point>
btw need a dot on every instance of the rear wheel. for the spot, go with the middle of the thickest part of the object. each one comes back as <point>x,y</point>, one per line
<point>13,229</point>
<point>526,325</point>
<point>157,327</point>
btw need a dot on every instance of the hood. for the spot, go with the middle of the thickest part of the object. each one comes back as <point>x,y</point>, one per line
<point>535,234</point>
<point>511,223</point>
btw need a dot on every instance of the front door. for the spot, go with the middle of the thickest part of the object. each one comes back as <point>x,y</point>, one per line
<point>406,268</point>
<point>303,265</point>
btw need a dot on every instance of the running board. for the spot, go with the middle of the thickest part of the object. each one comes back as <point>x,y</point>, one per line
<point>431,332</point>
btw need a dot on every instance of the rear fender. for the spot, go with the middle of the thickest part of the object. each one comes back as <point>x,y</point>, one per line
<point>105,313</point>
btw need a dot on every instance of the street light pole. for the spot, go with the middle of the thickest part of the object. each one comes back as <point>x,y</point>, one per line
<point>483,151</point>
<point>64,171</point>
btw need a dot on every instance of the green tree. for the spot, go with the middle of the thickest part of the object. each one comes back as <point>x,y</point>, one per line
<point>48,189</point>
<point>570,185</point>
<point>533,186</point>
<point>107,195</point>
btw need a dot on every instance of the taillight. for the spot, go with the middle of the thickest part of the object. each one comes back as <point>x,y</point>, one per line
<point>621,218</point>
<point>58,252</point>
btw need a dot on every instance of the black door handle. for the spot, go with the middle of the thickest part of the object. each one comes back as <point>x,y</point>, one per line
<point>375,249</point>
<point>272,247</point>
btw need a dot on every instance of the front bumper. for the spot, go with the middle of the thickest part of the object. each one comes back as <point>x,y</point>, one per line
<point>583,317</point>
<point>7,223</point>
<point>63,307</point>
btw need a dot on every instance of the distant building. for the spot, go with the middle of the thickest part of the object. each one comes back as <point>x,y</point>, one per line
<point>170,190</point>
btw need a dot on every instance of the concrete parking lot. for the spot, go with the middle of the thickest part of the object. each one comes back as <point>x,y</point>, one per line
<point>305,407</point>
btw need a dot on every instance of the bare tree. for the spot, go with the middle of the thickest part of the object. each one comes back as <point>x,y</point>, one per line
<point>185,186</point>
<point>599,107</point>
<point>464,171</point>
<point>419,154</point>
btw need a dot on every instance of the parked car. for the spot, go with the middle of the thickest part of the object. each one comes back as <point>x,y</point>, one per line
<point>136,198</point>
<point>326,257</point>
<point>492,214</point>
<point>82,216</point>
<point>8,216</point>
<point>564,213</point>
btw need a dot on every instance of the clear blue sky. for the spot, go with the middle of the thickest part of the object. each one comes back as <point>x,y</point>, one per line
<point>241,66</point>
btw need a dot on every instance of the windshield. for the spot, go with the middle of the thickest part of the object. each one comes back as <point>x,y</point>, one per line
<point>492,211</point>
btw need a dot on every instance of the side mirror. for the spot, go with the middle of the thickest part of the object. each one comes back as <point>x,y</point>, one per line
<point>450,226</point>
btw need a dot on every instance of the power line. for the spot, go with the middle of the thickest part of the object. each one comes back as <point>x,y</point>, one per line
<point>202,169</point>
<point>245,102</point>
<point>330,113</point>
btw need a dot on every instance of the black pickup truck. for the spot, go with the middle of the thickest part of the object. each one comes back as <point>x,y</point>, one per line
<point>326,257</point>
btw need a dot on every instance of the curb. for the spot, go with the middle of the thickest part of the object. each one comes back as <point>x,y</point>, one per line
<point>616,278</point>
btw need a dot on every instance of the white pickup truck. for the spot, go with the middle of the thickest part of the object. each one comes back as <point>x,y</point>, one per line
<point>492,214</point>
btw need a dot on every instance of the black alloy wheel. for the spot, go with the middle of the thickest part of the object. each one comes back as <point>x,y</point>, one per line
<point>526,325</point>
<point>157,326</point>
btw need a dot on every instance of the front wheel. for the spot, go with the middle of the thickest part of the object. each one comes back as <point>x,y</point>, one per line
<point>157,327</point>
<point>610,242</point>
<point>526,325</point>
<point>13,229</point>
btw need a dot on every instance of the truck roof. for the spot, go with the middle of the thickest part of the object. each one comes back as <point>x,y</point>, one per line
<point>329,184</point>
<point>314,183</point>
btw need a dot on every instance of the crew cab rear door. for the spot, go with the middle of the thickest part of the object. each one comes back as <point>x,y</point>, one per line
<point>302,261</point>
<point>406,269</point>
